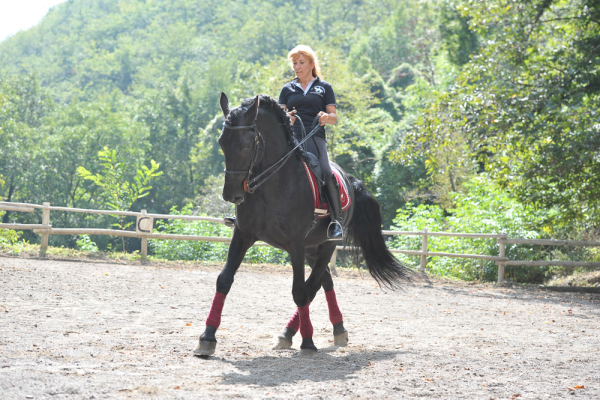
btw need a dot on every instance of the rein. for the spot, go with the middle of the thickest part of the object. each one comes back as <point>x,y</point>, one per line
<point>250,185</point>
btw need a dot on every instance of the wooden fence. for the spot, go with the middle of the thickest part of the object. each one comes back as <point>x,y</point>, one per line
<point>145,222</point>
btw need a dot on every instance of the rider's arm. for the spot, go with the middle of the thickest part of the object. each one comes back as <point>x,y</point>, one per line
<point>328,117</point>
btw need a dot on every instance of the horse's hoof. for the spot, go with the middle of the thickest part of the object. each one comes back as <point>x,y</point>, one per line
<point>341,340</point>
<point>284,340</point>
<point>308,353</point>
<point>308,348</point>
<point>205,348</point>
<point>282,343</point>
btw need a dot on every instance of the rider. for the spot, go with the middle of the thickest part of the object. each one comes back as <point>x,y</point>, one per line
<point>306,97</point>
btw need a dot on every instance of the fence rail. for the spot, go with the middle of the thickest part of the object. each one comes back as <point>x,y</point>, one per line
<point>145,221</point>
<point>551,242</point>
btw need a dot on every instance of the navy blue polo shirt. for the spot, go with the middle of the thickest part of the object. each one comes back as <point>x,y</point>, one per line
<point>316,99</point>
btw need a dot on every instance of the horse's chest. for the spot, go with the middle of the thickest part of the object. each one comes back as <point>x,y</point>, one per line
<point>279,218</point>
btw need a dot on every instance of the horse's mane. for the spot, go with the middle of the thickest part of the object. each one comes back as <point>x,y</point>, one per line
<point>266,103</point>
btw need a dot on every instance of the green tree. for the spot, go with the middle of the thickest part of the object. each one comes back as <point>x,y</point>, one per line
<point>23,106</point>
<point>7,236</point>
<point>73,135</point>
<point>526,106</point>
<point>118,193</point>
<point>143,78</point>
<point>457,37</point>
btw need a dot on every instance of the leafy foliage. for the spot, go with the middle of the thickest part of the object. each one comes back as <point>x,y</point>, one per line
<point>117,192</point>
<point>144,78</point>
<point>7,236</point>
<point>484,208</point>
<point>205,251</point>
<point>525,107</point>
<point>120,194</point>
<point>434,98</point>
<point>84,243</point>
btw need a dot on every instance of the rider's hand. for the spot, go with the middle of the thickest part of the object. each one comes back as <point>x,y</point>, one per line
<point>292,116</point>
<point>323,117</point>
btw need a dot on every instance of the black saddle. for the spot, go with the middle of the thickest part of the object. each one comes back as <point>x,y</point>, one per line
<point>315,166</point>
<point>312,160</point>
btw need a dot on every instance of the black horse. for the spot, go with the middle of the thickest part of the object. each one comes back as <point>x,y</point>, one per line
<point>266,180</point>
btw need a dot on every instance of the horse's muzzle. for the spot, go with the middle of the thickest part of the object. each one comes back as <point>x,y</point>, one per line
<point>235,197</point>
<point>233,189</point>
<point>238,200</point>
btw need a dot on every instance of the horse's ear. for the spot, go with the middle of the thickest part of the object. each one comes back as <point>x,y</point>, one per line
<point>253,110</point>
<point>224,103</point>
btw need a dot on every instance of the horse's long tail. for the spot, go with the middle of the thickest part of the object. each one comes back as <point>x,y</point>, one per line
<point>364,233</point>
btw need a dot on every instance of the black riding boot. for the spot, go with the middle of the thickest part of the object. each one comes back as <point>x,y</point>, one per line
<point>335,231</point>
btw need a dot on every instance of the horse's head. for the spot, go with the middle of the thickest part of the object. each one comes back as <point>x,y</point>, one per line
<point>241,144</point>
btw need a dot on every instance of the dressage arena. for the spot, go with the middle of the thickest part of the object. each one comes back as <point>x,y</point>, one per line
<point>101,330</point>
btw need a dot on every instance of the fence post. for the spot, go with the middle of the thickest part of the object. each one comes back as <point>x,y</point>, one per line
<point>332,262</point>
<point>144,240</point>
<point>501,253</point>
<point>45,221</point>
<point>424,249</point>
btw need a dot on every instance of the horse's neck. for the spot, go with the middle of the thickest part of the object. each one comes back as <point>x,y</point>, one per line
<point>275,142</point>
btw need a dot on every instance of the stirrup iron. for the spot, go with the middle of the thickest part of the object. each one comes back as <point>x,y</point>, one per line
<point>335,231</point>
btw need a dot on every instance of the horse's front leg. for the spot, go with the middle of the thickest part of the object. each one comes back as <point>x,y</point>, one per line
<point>302,299</point>
<point>237,249</point>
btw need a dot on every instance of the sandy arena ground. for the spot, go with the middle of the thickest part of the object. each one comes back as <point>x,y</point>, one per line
<point>93,330</point>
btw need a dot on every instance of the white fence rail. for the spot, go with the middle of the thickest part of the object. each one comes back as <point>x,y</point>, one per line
<point>145,222</point>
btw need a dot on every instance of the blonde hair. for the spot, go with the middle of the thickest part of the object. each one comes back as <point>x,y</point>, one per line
<point>309,54</point>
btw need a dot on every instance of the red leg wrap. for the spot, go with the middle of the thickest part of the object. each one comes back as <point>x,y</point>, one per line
<point>214,316</point>
<point>335,315</point>
<point>306,328</point>
<point>294,322</point>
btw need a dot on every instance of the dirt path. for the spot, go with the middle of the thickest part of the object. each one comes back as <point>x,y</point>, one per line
<point>91,330</point>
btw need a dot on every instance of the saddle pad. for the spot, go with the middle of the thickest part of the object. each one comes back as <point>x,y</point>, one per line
<point>321,208</point>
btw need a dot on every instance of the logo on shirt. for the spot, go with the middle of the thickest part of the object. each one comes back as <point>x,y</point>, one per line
<point>319,89</point>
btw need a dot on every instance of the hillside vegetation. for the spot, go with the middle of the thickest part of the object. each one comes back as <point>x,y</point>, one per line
<point>447,108</point>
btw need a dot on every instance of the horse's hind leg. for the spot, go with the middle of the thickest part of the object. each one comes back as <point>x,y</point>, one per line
<point>284,340</point>
<point>302,298</point>
<point>340,334</point>
<point>239,245</point>
<point>318,259</point>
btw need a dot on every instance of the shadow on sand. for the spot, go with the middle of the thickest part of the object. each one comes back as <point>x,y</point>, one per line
<point>275,371</point>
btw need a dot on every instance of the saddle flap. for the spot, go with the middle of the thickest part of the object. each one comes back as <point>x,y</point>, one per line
<point>315,166</point>
<point>321,207</point>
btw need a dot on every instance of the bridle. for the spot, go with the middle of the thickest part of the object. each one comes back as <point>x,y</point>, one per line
<point>255,148</point>
<point>250,185</point>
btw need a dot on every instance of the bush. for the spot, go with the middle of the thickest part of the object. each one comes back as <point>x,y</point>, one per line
<point>484,208</point>
<point>84,243</point>
<point>8,237</point>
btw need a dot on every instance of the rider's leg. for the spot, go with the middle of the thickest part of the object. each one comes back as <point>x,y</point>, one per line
<point>335,231</point>
<point>318,146</point>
